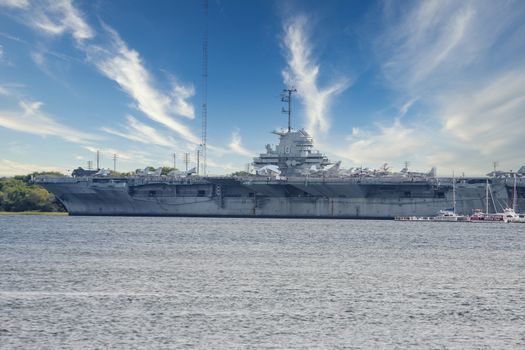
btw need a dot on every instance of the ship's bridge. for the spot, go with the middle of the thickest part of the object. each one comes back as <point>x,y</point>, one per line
<point>294,155</point>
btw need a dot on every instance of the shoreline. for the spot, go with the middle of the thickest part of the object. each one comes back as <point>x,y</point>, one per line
<point>48,213</point>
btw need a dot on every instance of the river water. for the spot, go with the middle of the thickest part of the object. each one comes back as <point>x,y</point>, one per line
<point>110,282</point>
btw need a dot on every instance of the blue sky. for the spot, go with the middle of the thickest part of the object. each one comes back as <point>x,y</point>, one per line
<point>436,83</point>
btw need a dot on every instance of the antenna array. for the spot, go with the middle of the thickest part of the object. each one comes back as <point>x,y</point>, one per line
<point>204,86</point>
<point>286,96</point>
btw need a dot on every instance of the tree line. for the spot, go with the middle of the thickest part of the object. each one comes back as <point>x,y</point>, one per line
<point>19,194</point>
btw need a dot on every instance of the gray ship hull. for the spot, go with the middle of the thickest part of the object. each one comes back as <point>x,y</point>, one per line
<point>265,197</point>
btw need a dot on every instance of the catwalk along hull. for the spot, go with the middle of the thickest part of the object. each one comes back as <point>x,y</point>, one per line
<point>266,197</point>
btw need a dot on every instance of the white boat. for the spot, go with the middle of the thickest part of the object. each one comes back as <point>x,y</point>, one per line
<point>510,213</point>
<point>446,215</point>
<point>450,215</point>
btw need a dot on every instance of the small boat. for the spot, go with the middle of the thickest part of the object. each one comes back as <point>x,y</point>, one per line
<point>480,216</point>
<point>413,218</point>
<point>512,216</point>
<point>445,215</point>
<point>450,215</point>
<point>510,213</point>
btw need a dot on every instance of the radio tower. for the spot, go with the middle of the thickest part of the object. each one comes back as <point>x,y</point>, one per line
<point>204,85</point>
<point>286,96</point>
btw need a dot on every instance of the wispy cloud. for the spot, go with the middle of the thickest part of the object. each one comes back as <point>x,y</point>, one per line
<point>387,143</point>
<point>124,66</point>
<point>180,95</point>
<point>56,17</point>
<point>462,63</point>
<point>116,61</point>
<point>31,119</point>
<point>11,168</point>
<point>109,152</point>
<point>303,73</point>
<point>131,157</point>
<point>236,145</point>
<point>140,132</point>
<point>14,3</point>
<point>488,118</point>
<point>423,41</point>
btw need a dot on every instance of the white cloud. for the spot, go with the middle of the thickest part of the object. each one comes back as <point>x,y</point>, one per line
<point>236,145</point>
<point>386,143</point>
<point>180,94</point>
<point>30,119</point>
<point>129,159</point>
<point>140,132</point>
<point>119,63</point>
<point>460,61</point>
<point>303,73</point>
<point>11,168</point>
<point>123,65</point>
<point>110,152</point>
<point>405,107</point>
<point>56,17</point>
<point>488,118</point>
<point>14,3</point>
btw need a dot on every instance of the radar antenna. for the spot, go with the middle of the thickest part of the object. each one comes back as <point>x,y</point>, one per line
<point>286,96</point>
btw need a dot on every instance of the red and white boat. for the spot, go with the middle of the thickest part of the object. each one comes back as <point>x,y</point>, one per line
<point>480,216</point>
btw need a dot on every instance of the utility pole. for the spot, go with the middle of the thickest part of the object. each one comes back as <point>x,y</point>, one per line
<point>115,156</point>
<point>174,161</point>
<point>286,96</point>
<point>186,160</point>
<point>90,164</point>
<point>98,159</point>
<point>198,160</point>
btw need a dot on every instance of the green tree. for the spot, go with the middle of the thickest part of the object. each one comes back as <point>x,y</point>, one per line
<point>18,195</point>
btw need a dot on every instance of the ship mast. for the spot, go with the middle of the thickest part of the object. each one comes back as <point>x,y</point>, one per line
<point>514,195</point>
<point>487,197</point>
<point>453,193</point>
<point>286,96</point>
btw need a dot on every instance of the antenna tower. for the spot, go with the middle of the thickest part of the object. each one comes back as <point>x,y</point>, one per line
<point>204,85</point>
<point>186,160</point>
<point>115,157</point>
<point>286,96</point>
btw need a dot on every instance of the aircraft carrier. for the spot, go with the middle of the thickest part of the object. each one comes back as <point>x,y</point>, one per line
<point>290,180</point>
